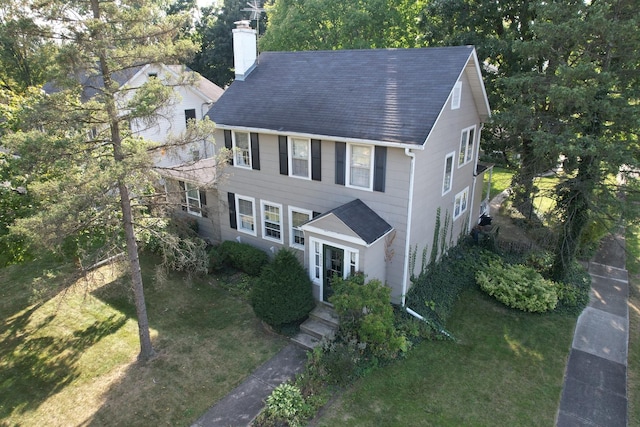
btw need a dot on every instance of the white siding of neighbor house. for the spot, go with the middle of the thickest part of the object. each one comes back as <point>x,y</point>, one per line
<point>444,139</point>
<point>171,120</point>
<point>316,196</point>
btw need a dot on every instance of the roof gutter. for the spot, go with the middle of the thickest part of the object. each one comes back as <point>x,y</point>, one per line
<point>404,145</point>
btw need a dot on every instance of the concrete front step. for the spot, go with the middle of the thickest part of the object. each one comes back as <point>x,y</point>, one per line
<point>321,324</point>
<point>317,328</point>
<point>325,314</point>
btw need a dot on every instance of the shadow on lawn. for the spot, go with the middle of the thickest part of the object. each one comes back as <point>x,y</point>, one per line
<point>36,367</point>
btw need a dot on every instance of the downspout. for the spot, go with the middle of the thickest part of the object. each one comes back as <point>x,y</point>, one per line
<point>407,246</point>
<point>475,176</point>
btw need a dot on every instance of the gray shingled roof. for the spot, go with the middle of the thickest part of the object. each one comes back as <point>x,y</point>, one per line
<point>392,95</point>
<point>361,219</point>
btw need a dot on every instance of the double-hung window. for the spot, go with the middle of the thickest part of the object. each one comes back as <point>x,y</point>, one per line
<point>297,217</point>
<point>460,203</point>
<point>271,221</point>
<point>193,200</point>
<point>299,157</point>
<point>467,141</point>
<point>360,161</point>
<point>447,181</point>
<point>241,150</point>
<point>246,214</point>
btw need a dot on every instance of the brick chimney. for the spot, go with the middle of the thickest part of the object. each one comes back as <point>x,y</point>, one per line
<point>244,49</point>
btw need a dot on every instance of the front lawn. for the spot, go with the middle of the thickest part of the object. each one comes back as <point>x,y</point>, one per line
<point>506,369</point>
<point>69,358</point>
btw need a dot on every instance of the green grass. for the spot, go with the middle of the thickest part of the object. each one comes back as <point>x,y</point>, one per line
<point>500,180</point>
<point>506,370</point>
<point>69,358</point>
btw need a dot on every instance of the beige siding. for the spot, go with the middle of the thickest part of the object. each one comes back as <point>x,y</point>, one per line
<point>317,196</point>
<point>430,164</point>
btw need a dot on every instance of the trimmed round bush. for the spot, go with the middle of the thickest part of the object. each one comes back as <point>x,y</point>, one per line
<point>518,286</point>
<point>283,294</point>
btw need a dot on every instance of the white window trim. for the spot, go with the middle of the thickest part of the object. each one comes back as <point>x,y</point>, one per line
<point>348,167</point>
<point>464,151</point>
<point>346,262</point>
<point>458,199</point>
<point>290,157</point>
<point>187,198</point>
<point>452,156</point>
<point>456,96</point>
<point>236,150</point>
<point>293,209</point>
<point>253,232</point>
<point>263,205</point>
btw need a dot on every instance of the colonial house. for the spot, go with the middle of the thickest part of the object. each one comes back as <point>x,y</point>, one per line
<point>347,157</point>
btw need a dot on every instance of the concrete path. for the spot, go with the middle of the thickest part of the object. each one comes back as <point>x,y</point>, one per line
<point>595,383</point>
<point>243,404</point>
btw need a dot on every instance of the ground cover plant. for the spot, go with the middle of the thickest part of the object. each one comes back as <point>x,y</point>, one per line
<point>69,358</point>
<point>506,368</point>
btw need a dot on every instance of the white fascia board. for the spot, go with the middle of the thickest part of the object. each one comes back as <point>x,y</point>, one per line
<point>322,137</point>
<point>481,81</point>
<point>333,234</point>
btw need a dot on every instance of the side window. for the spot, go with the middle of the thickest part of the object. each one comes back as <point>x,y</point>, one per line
<point>189,114</point>
<point>297,217</point>
<point>467,142</point>
<point>271,221</point>
<point>456,96</point>
<point>193,200</point>
<point>460,203</point>
<point>447,180</point>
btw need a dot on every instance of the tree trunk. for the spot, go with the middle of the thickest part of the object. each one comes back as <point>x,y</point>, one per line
<point>574,207</point>
<point>146,349</point>
<point>523,180</point>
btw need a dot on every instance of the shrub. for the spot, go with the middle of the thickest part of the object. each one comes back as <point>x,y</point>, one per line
<point>573,293</point>
<point>518,286</point>
<point>366,316</point>
<point>286,403</point>
<point>283,293</point>
<point>242,256</point>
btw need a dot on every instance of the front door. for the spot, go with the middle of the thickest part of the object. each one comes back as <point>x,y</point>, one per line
<point>333,266</point>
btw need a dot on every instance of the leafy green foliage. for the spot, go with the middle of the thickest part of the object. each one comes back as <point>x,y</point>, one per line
<point>366,316</point>
<point>241,256</point>
<point>286,404</point>
<point>518,286</point>
<point>283,294</point>
<point>434,293</point>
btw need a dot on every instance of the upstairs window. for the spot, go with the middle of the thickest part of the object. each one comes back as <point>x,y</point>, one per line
<point>241,150</point>
<point>447,181</point>
<point>456,96</point>
<point>360,160</point>
<point>467,142</point>
<point>299,158</point>
<point>189,114</point>
<point>193,199</point>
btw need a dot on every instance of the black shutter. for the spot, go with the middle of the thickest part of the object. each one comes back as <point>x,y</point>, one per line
<point>379,168</point>
<point>231,198</point>
<point>341,157</point>
<point>228,144</point>
<point>203,203</point>
<point>316,160</point>
<point>183,195</point>
<point>284,157</point>
<point>255,152</point>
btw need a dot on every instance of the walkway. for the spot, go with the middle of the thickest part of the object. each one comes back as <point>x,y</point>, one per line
<point>595,383</point>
